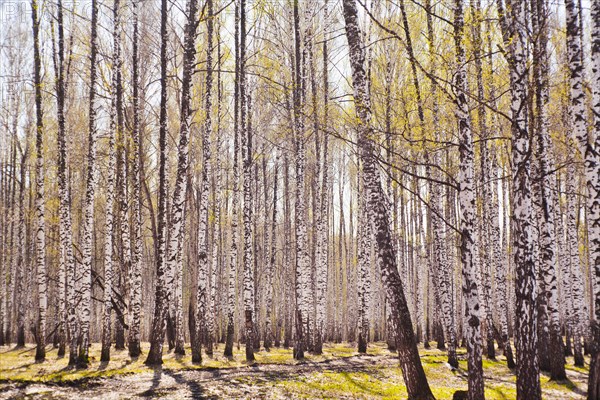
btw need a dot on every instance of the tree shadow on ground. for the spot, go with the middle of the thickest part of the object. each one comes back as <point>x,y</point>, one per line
<point>569,384</point>
<point>151,392</point>
<point>196,390</point>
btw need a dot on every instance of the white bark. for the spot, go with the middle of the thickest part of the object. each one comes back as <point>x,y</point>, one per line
<point>467,218</point>
<point>135,275</point>
<point>40,229</point>
<point>85,285</point>
<point>516,40</point>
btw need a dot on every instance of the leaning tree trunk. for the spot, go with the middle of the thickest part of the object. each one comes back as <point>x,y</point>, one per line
<point>412,370</point>
<point>176,229</point>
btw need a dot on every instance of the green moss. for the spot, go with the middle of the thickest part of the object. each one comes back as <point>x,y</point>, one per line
<point>343,384</point>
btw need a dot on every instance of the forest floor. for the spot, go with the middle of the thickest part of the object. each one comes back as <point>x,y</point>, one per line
<point>340,373</point>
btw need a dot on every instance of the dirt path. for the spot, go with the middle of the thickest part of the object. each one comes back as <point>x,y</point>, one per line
<point>251,382</point>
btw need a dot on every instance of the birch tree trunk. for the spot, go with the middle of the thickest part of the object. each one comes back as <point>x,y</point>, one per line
<point>442,273</point>
<point>302,265</point>
<point>21,269</point>
<point>217,244</point>
<point>122,200</point>
<point>526,341</point>
<point>157,333</point>
<point>246,136</point>
<point>233,254</point>
<point>12,216</point>
<point>203,228</point>
<point>287,267</point>
<point>176,228</point>
<point>4,257</point>
<point>65,229</point>
<point>410,363</point>
<point>323,216</point>
<point>589,154</point>
<point>499,253</point>
<point>467,217</point>
<point>110,196</point>
<point>364,261</point>
<point>485,252</point>
<point>271,262</point>
<point>593,212</point>
<point>546,196</point>
<point>88,207</point>
<point>40,233</point>
<point>115,126</point>
<point>135,275</point>
<point>576,284</point>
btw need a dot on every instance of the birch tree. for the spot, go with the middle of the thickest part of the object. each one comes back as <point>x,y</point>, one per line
<point>157,334</point>
<point>203,227</point>
<point>272,261</point>
<point>115,126</point>
<point>322,250</point>
<point>546,195</point>
<point>233,254</point>
<point>67,267</point>
<point>135,275</point>
<point>302,264</point>
<point>412,370</point>
<point>594,210</point>
<point>176,230</point>
<point>40,235</point>
<point>246,142</point>
<point>86,274</point>
<point>512,20</point>
<point>467,218</point>
<point>364,261</point>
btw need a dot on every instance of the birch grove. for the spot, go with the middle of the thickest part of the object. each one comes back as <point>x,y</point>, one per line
<point>246,177</point>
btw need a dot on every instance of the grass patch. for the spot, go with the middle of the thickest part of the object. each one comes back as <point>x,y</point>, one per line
<point>379,377</point>
<point>18,365</point>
